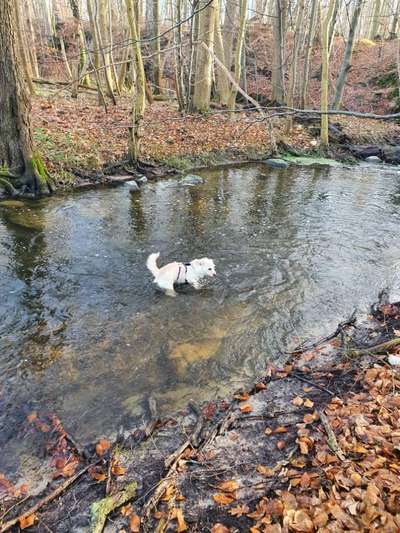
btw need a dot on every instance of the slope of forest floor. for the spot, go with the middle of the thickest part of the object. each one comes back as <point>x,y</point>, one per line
<point>79,140</point>
<point>312,446</point>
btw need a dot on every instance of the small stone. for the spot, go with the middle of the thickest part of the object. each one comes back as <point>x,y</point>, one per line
<point>192,179</point>
<point>134,187</point>
<point>373,159</point>
<point>276,163</point>
<point>142,180</point>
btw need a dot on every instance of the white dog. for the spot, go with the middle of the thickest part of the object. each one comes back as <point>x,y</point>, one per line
<point>179,273</point>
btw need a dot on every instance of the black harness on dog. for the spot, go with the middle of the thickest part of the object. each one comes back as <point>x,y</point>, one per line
<point>186,265</point>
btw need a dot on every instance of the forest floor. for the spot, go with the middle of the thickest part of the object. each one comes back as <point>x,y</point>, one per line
<point>312,446</point>
<point>79,140</point>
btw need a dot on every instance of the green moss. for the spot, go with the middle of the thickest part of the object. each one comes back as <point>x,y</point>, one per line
<point>311,160</point>
<point>390,79</point>
<point>102,508</point>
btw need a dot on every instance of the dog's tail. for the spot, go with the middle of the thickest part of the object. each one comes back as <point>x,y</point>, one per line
<point>151,263</point>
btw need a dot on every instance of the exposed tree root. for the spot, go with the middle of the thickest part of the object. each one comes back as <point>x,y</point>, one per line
<point>8,186</point>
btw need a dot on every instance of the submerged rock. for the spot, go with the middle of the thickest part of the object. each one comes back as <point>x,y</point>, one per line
<point>192,179</point>
<point>276,163</point>
<point>141,180</point>
<point>373,159</point>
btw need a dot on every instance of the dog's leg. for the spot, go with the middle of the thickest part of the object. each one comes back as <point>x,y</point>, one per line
<point>196,285</point>
<point>170,292</point>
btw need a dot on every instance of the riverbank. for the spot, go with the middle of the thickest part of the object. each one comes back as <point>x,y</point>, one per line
<point>312,446</point>
<point>82,144</point>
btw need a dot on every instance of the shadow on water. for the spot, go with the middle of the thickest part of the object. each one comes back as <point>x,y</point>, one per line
<point>84,333</point>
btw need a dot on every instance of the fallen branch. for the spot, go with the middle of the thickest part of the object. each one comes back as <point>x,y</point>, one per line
<point>332,441</point>
<point>383,347</point>
<point>305,346</point>
<point>47,499</point>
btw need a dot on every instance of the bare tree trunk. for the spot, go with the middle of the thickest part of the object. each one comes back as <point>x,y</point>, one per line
<point>222,81</point>
<point>238,53</point>
<point>395,21</point>
<point>325,73</point>
<point>374,31</point>
<point>345,66</point>
<point>308,50</point>
<point>229,30</point>
<point>32,40</point>
<point>16,146</point>
<point>23,53</point>
<point>103,32</point>
<point>278,59</point>
<point>157,48</point>
<point>295,60</point>
<point>181,87</point>
<point>139,103</point>
<point>333,24</point>
<point>203,73</point>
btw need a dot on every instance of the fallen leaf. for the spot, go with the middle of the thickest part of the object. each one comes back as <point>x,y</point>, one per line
<point>280,444</point>
<point>242,397</point>
<point>134,523</point>
<point>298,521</point>
<point>27,521</point>
<point>297,401</point>
<point>246,408</point>
<point>268,431</point>
<point>118,470</point>
<point>308,403</point>
<point>31,417</point>
<point>281,429</point>
<point>168,493</point>
<point>260,386</point>
<point>182,526</point>
<point>396,332</point>
<point>265,470</point>
<point>223,499</point>
<point>102,446</point>
<point>239,510</point>
<point>219,528</point>
<point>126,510</point>
<point>228,486</point>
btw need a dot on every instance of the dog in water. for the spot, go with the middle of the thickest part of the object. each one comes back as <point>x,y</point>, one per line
<point>179,273</point>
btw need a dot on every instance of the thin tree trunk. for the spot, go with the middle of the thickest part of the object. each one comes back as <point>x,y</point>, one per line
<point>96,51</point>
<point>222,82</point>
<point>325,73</point>
<point>16,146</point>
<point>238,53</point>
<point>374,31</point>
<point>308,50</point>
<point>103,32</point>
<point>295,60</point>
<point>32,39</point>
<point>203,73</point>
<point>395,21</point>
<point>345,66</point>
<point>157,48</point>
<point>229,30</point>
<point>333,24</point>
<point>278,58</point>
<point>138,108</point>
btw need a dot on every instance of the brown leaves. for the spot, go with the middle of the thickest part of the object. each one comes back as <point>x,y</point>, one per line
<point>239,510</point>
<point>246,408</point>
<point>178,515</point>
<point>219,528</point>
<point>297,401</point>
<point>223,498</point>
<point>298,521</point>
<point>229,486</point>
<point>265,471</point>
<point>27,521</point>
<point>102,447</point>
<point>134,523</point>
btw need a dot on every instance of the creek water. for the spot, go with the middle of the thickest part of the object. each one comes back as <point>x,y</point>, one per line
<point>85,335</point>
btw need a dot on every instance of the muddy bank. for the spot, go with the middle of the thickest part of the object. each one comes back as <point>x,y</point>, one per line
<point>312,446</point>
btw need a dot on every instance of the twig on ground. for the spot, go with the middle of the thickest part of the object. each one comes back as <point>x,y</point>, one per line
<point>383,347</point>
<point>332,441</point>
<point>305,380</point>
<point>47,499</point>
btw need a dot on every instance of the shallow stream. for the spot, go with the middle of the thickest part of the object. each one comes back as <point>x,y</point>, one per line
<point>84,333</point>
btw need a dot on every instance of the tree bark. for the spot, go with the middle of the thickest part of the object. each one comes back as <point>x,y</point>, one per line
<point>238,53</point>
<point>278,58</point>
<point>295,60</point>
<point>138,108</point>
<point>325,73</point>
<point>203,72</point>
<point>308,51</point>
<point>373,34</point>
<point>345,66</point>
<point>222,81</point>
<point>16,145</point>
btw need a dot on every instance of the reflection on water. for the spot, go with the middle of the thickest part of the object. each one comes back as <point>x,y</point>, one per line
<point>84,333</point>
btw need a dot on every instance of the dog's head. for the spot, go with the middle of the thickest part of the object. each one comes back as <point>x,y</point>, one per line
<point>205,267</point>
